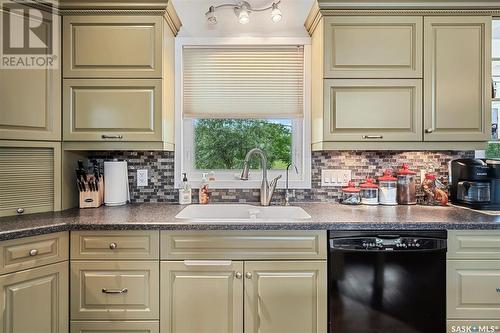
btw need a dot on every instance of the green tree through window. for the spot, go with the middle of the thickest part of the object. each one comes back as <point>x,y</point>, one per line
<point>221,144</point>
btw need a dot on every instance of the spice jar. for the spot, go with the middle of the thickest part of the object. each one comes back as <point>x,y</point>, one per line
<point>407,187</point>
<point>369,192</point>
<point>387,193</point>
<point>351,195</point>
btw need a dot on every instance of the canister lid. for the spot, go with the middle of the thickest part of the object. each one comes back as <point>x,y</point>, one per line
<point>351,188</point>
<point>405,170</point>
<point>369,183</point>
<point>430,176</point>
<point>387,176</point>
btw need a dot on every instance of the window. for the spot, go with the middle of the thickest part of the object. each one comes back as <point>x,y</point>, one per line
<point>238,97</point>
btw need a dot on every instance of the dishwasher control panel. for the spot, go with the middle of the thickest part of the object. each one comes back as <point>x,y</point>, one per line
<point>387,243</point>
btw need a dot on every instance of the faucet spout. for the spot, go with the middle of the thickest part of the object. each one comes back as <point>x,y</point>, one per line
<point>266,189</point>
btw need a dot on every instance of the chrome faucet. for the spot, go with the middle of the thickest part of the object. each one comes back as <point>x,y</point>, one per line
<point>287,191</point>
<point>266,189</point>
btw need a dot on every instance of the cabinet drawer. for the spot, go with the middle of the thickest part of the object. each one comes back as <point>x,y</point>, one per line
<point>112,46</point>
<point>114,290</point>
<point>395,110</point>
<point>112,110</point>
<point>114,327</point>
<point>473,289</point>
<point>30,177</point>
<point>243,245</point>
<point>114,245</point>
<point>474,244</point>
<point>373,47</point>
<point>29,252</point>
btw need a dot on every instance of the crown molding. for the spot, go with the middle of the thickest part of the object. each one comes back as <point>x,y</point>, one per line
<point>409,4</point>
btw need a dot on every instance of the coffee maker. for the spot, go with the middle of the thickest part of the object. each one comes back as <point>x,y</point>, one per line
<point>475,183</point>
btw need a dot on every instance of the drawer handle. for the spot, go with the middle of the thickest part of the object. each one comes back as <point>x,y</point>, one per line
<point>207,262</point>
<point>114,291</point>
<point>373,136</point>
<point>106,136</point>
<point>33,252</point>
<point>113,246</point>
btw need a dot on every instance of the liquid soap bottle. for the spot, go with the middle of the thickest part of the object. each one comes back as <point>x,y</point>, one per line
<point>185,197</point>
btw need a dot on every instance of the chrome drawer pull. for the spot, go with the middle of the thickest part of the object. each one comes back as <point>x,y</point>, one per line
<point>105,136</point>
<point>373,136</point>
<point>114,291</point>
<point>33,252</point>
<point>113,246</point>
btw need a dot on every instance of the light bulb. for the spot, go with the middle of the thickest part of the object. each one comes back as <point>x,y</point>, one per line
<point>211,18</point>
<point>243,16</point>
<point>276,13</point>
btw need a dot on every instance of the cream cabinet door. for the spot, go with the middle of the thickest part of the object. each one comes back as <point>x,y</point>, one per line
<point>112,46</point>
<point>202,296</point>
<point>457,58</point>
<point>112,110</point>
<point>30,101</point>
<point>285,297</point>
<point>373,47</point>
<point>372,110</point>
<point>35,300</point>
<point>473,289</point>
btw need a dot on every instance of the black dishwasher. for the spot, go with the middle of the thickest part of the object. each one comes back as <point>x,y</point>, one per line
<point>387,282</point>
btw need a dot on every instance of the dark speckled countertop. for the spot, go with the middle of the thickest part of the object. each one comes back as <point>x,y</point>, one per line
<point>324,216</point>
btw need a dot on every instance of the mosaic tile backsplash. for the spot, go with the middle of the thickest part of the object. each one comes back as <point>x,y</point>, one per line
<point>160,166</point>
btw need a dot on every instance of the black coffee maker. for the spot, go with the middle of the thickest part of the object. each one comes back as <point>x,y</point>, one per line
<point>475,183</point>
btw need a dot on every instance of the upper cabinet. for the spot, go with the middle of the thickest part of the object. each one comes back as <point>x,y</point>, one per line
<point>112,46</point>
<point>373,47</point>
<point>400,82</point>
<point>457,57</point>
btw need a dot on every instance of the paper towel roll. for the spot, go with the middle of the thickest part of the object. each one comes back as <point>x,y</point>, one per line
<point>116,190</point>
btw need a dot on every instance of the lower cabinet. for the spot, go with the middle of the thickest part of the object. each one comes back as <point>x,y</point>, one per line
<point>206,296</point>
<point>114,327</point>
<point>35,300</point>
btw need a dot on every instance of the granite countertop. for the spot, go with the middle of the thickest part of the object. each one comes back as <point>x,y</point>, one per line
<point>324,216</point>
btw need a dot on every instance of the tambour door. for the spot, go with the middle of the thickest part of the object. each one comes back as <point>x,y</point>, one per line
<point>112,110</point>
<point>372,110</point>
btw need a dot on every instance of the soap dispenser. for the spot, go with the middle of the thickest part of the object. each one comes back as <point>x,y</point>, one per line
<point>185,191</point>
<point>203,194</point>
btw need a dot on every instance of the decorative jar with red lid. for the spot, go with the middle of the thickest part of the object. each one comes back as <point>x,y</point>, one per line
<point>407,186</point>
<point>369,192</point>
<point>351,195</point>
<point>387,189</point>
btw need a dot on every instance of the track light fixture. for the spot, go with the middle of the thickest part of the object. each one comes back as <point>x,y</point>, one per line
<point>242,10</point>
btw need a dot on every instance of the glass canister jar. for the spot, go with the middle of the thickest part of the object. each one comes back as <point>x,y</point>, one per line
<point>407,186</point>
<point>434,190</point>
<point>369,192</point>
<point>351,195</point>
<point>387,193</point>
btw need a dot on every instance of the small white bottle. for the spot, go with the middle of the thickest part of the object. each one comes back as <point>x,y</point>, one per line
<point>185,197</point>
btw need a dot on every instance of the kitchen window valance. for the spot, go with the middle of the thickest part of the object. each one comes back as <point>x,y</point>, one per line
<point>243,82</point>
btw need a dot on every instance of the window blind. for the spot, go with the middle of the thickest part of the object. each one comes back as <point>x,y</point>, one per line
<point>243,82</point>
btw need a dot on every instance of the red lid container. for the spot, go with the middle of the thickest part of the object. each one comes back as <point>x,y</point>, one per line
<point>351,188</point>
<point>387,176</point>
<point>405,170</point>
<point>369,183</point>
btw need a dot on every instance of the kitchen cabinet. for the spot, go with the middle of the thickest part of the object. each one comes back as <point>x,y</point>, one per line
<point>457,78</point>
<point>30,177</point>
<point>256,291</point>
<point>112,110</point>
<point>373,47</point>
<point>202,296</point>
<point>473,276</point>
<point>112,46</point>
<point>373,109</point>
<point>404,82</point>
<point>35,300</point>
<point>285,296</point>
<point>30,99</point>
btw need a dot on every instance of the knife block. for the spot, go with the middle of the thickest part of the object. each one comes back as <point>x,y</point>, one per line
<point>93,199</point>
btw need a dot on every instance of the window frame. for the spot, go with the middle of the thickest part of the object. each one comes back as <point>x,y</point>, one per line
<point>226,179</point>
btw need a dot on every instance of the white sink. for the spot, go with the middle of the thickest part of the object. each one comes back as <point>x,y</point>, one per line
<point>234,212</point>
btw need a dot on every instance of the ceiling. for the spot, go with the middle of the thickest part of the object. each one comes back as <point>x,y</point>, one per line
<point>194,23</point>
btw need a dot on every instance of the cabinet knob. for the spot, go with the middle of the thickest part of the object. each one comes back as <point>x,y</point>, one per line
<point>113,246</point>
<point>20,210</point>
<point>429,130</point>
<point>238,275</point>
<point>248,275</point>
<point>33,252</point>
